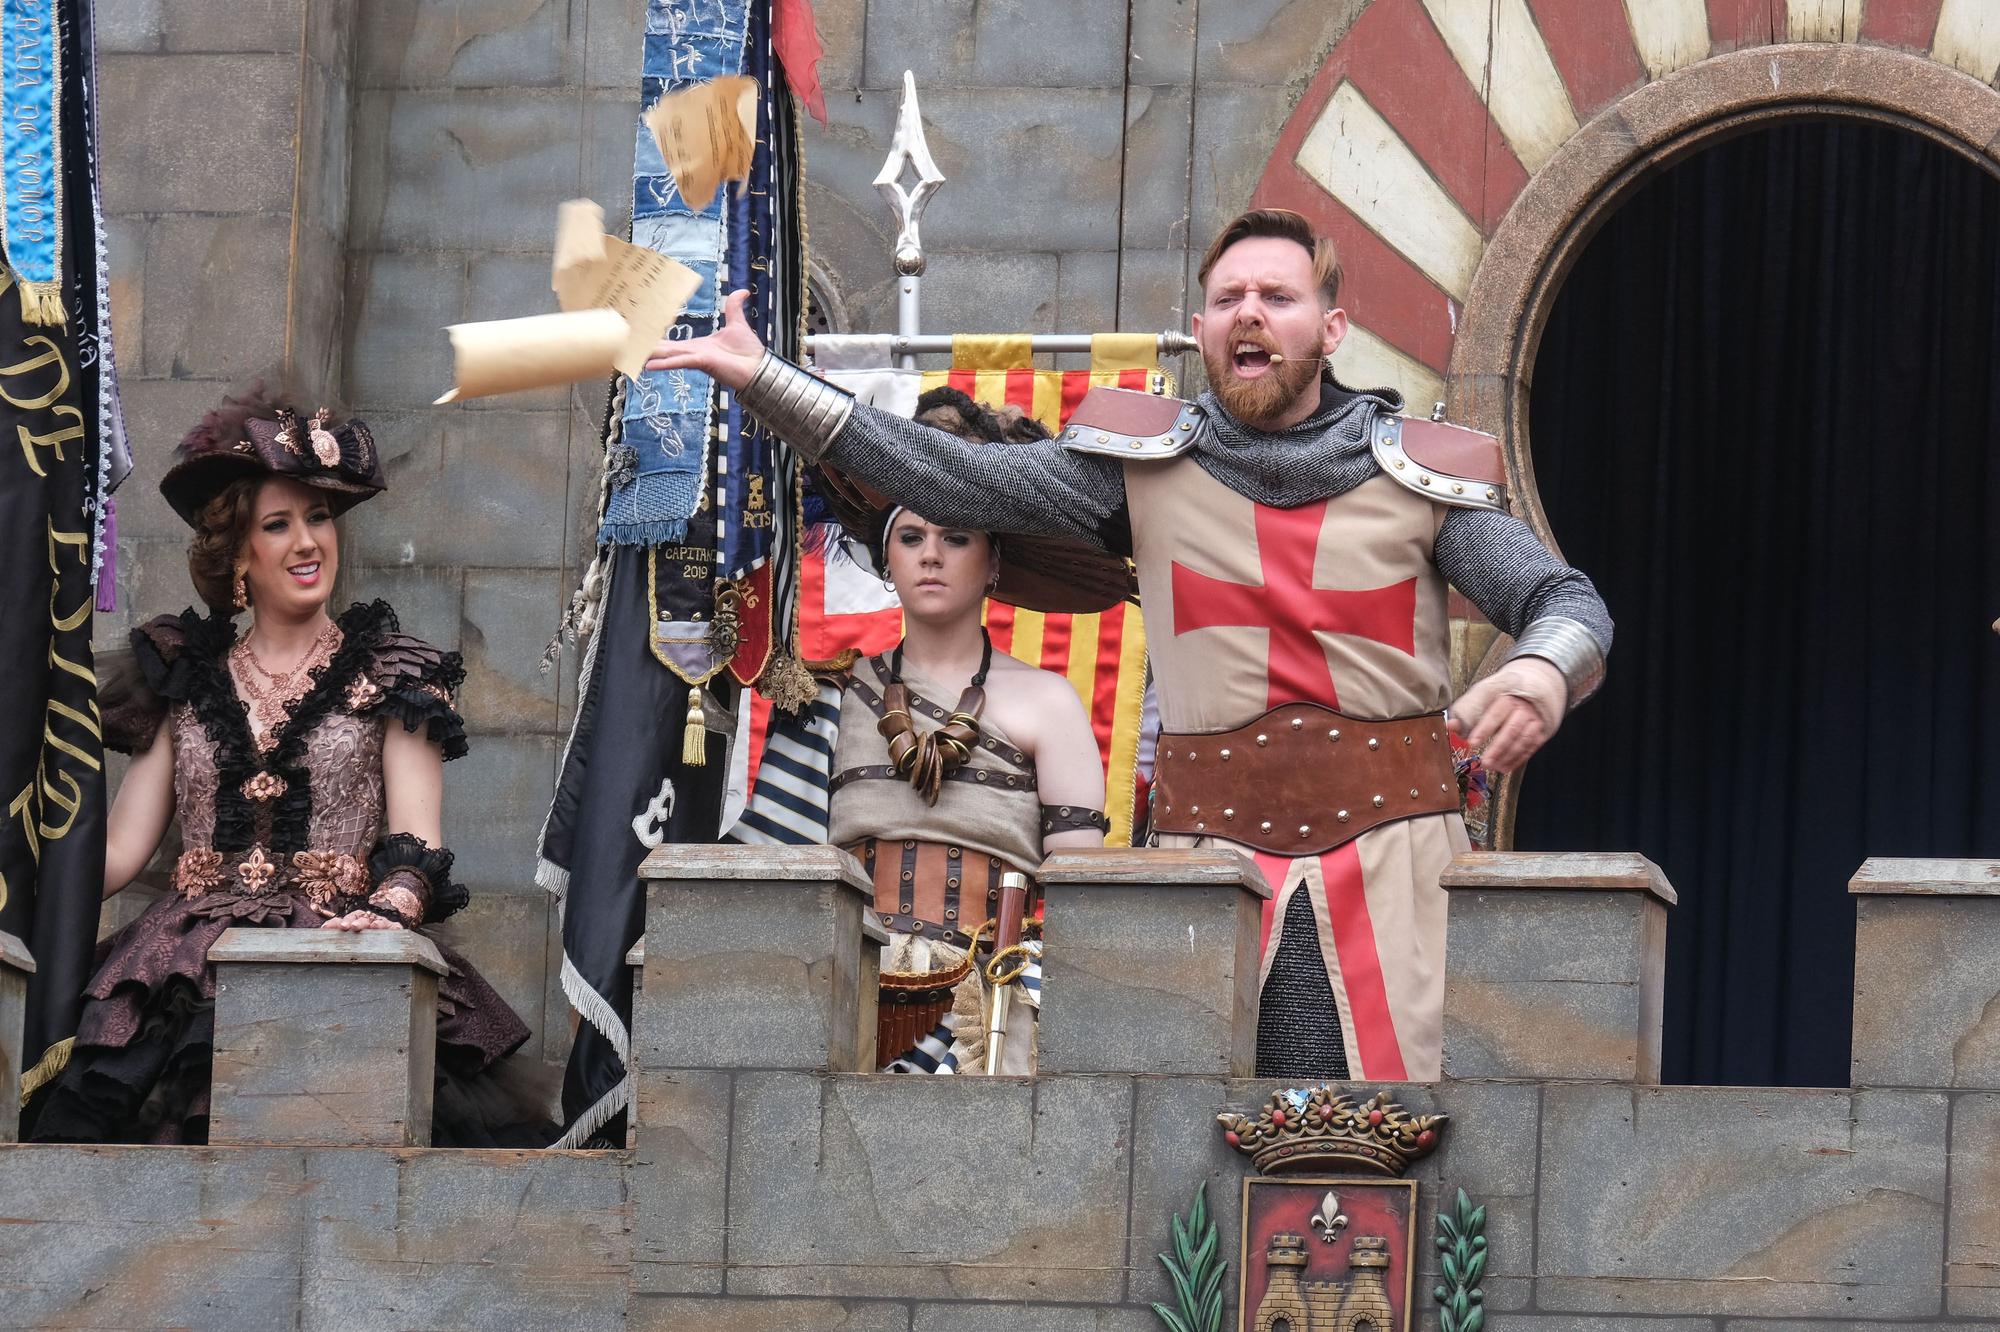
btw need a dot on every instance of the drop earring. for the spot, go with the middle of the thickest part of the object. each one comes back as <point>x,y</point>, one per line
<point>239,594</point>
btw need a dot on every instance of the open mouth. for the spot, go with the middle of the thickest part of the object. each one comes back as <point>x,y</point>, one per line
<point>1251,358</point>
<point>305,573</point>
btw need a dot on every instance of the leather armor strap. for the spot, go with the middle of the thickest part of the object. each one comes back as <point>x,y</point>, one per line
<point>1072,818</point>
<point>882,772</point>
<point>1303,779</point>
<point>939,890</point>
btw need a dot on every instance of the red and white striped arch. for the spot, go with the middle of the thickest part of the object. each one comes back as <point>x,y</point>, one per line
<point>1429,118</point>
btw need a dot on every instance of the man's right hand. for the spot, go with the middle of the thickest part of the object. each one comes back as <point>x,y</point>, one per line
<point>729,355</point>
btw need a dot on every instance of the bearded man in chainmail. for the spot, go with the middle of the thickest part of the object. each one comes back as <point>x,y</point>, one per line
<point>1293,540</point>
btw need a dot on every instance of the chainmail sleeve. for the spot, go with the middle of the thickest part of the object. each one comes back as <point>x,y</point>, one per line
<point>1496,560</point>
<point>1037,489</point>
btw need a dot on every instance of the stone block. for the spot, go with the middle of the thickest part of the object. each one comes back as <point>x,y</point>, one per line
<point>1554,965</point>
<point>1086,297</point>
<point>1160,47</point>
<point>495,800</point>
<point>1591,1323</point>
<point>1488,1149</point>
<point>429,600</point>
<point>1790,1203</point>
<point>319,292</point>
<point>1153,291</point>
<point>324,1036</point>
<point>615,39</point>
<point>157,413</point>
<point>137,25</point>
<point>1972,1254</point>
<point>259,25</point>
<point>465,43</point>
<point>16,965</point>
<point>1177,1147</point>
<point>1926,990</point>
<point>1008,1189</point>
<point>447,156</point>
<point>499,475</point>
<point>662,1313</point>
<point>680,1172</point>
<point>488,1240</point>
<point>995,44</point>
<point>204,322</point>
<point>142,1238</point>
<point>509,616</point>
<point>1157,166</point>
<point>179,149</point>
<point>842,30</point>
<point>397,354</point>
<point>1227,116</point>
<point>1150,963</point>
<point>753,959</point>
<point>1010,1316</point>
<point>1273,43</point>
<point>610,122</point>
<point>867,1028</point>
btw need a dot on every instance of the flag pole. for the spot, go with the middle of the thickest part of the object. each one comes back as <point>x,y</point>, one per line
<point>908,151</point>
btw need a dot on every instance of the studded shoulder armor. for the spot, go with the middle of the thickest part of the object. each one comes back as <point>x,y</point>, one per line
<point>1447,463</point>
<point>1126,423</point>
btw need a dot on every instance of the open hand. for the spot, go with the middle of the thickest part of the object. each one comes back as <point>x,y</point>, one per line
<point>729,355</point>
<point>361,920</point>
<point>1511,713</point>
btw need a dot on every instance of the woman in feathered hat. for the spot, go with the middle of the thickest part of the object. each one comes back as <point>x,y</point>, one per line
<point>952,763</point>
<point>304,759</point>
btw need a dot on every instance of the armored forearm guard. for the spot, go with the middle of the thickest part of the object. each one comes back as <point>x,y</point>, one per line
<point>802,409</point>
<point>1569,647</point>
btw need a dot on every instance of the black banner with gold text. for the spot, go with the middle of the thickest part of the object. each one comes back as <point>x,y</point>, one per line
<point>51,743</point>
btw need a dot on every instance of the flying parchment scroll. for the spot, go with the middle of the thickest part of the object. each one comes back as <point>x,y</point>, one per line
<point>618,300</point>
<point>707,134</point>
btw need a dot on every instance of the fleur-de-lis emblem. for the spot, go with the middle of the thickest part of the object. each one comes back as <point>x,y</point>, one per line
<point>256,870</point>
<point>1329,1220</point>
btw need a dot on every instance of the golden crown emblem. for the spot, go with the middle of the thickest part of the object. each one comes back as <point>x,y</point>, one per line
<point>1319,1128</point>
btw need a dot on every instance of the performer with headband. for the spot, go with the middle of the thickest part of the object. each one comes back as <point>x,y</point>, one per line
<point>953,764</point>
<point>305,760</point>
<point>1294,539</point>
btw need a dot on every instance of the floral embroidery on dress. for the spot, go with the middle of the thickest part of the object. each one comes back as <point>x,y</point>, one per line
<point>266,785</point>
<point>197,871</point>
<point>256,871</point>
<point>363,693</point>
<point>325,875</point>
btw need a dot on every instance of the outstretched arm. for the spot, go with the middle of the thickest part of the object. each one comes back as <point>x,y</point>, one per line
<point>1561,629</point>
<point>1038,488</point>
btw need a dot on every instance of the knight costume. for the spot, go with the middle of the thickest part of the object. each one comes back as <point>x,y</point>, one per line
<point>1294,583</point>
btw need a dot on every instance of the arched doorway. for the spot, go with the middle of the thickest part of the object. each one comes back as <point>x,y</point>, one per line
<point>1765,416</point>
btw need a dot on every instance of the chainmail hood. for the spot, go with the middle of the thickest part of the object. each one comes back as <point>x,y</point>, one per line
<point>1325,454</point>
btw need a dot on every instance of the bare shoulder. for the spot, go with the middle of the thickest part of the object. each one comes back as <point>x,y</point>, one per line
<point>1045,688</point>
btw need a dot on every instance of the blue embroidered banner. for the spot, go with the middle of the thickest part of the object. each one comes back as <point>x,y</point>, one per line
<point>30,148</point>
<point>666,420</point>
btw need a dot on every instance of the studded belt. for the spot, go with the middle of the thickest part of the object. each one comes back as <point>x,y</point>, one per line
<point>1303,779</point>
<point>936,889</point>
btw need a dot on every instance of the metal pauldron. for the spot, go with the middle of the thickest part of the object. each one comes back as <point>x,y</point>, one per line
<point>802,409</point>
<point>1569,647</point>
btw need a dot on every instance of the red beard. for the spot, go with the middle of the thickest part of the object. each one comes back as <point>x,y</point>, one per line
<point>1264,400</point>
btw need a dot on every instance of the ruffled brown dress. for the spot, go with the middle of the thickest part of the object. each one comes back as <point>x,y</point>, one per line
<point>275,835</point>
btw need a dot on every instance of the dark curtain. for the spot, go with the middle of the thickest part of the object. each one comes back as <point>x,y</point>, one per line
<point>1766,419</point>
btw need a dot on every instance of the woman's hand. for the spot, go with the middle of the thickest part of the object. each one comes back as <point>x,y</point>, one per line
<point>361,920</point>
<point>729,355</point>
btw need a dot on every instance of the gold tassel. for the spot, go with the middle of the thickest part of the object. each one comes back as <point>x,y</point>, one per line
<point>53,1061</point>
<point>42,303</point>
<point>694,735</point>
<point>788,684</point>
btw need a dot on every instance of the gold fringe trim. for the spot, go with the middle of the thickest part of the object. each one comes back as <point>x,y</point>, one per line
<point>694,733</point>
<point>42,303</point>
<point>53,1061</point>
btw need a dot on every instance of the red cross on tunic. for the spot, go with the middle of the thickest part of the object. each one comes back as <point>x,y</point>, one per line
<point>1288,605</point>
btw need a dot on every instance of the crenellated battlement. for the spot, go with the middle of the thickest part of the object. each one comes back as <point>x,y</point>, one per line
<point>769,1183</point>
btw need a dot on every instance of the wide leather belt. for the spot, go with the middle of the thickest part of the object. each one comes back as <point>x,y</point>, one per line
<point>939,890</point>
<point>1303,779</point>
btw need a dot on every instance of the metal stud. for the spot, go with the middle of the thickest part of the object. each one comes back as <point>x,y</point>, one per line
<point>1458,490</point>
<point>1342,816</point>
<point>1408,741</point>
<point>1378,802</point>
<point>1187,425</point>
<point>1399,464</point>
<point>1228,813</point>
<point>1444,788</point>
<point>1195,810</point>
<point>1423,480</point>
<point>1265,826</point>
<point>1298,723</point>
<point>1200,826</point>
<point>1333,735</point>
<point>1304,829</point>
<point>1104,439</point>
<point>1263,739</point>
<point>1374,744</point>
<point>1413,793</point>
<point>1493,494</point>
<point>1138,444</point>
<point>1225,756</point>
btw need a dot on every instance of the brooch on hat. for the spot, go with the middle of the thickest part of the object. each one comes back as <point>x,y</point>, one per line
<point>324,446</point>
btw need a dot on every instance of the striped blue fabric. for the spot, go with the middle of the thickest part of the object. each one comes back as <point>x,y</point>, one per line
<point>788,803</point>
